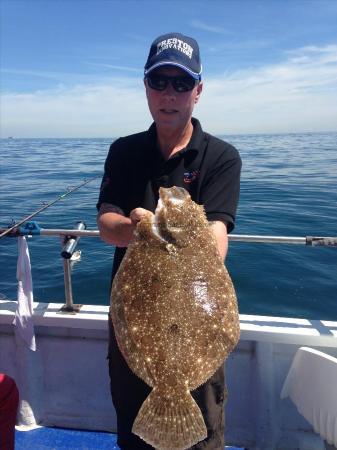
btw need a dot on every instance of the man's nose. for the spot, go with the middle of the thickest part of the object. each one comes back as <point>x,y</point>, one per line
<point>169,90</point>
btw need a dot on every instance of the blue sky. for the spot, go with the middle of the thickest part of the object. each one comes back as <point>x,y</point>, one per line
<point>74,68</point>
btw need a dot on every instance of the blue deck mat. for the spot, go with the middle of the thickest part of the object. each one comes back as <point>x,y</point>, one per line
<point>65,439</point>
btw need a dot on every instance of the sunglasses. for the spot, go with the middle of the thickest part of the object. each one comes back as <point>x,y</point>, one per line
<point>182,83</point>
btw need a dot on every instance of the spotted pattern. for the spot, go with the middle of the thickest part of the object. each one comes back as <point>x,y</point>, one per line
<point>174,310</point>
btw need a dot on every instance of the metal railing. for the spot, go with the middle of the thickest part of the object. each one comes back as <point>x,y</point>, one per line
<point>70,238</point>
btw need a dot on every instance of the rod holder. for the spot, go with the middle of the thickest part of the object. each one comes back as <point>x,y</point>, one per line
<point>71,241</point>
<point>69,245</point>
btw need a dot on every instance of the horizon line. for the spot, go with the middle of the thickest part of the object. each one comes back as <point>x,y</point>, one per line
<point>258,133</point>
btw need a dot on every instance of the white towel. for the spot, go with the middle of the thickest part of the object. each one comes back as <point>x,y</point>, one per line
<point>23,320</point>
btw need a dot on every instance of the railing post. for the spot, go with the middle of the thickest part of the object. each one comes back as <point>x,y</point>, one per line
<point>69,306</point>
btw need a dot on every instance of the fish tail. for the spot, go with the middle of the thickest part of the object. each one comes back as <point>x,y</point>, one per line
<point>170,423</point>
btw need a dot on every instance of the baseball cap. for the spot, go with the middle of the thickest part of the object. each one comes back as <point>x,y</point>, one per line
<point>175,49</point>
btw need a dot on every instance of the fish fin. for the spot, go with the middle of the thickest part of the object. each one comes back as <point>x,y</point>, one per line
<point>170,424</point>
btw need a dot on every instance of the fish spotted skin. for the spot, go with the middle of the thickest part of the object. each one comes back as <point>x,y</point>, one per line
<point>175,315</point>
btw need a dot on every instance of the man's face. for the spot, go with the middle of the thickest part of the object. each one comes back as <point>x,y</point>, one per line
<point>170,109</point>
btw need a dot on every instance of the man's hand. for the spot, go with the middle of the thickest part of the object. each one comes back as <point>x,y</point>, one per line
<point>137,214</point>
<point>114,227</point>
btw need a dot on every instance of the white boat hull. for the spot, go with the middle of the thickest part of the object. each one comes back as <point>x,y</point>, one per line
<point>65,382</point>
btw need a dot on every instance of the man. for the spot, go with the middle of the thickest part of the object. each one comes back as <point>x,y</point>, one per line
<point>173,152</point>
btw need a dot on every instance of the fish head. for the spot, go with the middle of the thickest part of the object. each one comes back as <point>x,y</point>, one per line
<point>176,215</point>
<point>172,197</point>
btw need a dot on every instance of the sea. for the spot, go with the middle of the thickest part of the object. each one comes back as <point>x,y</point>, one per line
<point>288,188</point>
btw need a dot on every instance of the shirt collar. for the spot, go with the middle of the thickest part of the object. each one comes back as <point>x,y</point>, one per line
<point>194,143</point>
<point>197,136</point>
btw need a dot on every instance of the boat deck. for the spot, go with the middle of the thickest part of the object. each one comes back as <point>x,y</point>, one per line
<point>46,438</point>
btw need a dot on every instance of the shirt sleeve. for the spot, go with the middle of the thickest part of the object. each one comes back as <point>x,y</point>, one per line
<point>221,187</point>
<point>113,180</point>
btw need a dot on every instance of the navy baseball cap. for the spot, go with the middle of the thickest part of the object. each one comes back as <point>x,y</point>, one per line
<point>175,49</point>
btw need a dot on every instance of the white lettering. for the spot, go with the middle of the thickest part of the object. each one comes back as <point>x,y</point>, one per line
<point>177,44</point>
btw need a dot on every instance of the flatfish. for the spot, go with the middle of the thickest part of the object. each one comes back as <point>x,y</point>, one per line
<point>175,315</point>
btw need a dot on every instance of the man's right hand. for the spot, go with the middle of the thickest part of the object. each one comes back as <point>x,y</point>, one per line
<point>114,227</point>
<point>137,214</point>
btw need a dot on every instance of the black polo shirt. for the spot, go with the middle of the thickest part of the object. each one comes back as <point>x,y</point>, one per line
<point>208,168</point>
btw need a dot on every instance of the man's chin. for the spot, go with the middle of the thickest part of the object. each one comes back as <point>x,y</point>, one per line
<point>169,121</point>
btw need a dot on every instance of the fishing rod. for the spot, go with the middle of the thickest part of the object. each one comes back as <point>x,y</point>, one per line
<point>45,206</point>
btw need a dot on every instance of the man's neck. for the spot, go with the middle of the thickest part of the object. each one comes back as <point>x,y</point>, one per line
<point>171,141</point>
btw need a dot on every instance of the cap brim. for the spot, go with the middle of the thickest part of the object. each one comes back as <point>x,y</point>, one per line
<point>195,75</point>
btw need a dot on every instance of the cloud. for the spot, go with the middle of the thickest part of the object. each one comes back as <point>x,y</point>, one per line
<point>206,27</point>
<point>296,95</point>
<point>299,94</point>
<point>40,74</point>
<point>116,67</point>
<point>108,110</point>
<point>314,55</point>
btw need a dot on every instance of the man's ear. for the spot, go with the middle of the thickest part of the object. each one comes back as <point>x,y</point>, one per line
<point>199,90</point>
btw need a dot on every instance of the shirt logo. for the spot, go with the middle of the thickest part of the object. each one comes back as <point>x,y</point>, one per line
<point>177,44</point>
<point>191,176</point>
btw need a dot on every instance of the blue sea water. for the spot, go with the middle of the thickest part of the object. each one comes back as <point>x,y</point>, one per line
<point>289,188</point>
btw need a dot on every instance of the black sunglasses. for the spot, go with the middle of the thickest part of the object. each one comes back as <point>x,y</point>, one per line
<point>181,83</point>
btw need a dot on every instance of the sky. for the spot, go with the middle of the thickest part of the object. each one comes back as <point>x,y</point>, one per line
<point>74,68</point>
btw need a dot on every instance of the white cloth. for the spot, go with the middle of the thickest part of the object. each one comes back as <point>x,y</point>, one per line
<point>23,320</point>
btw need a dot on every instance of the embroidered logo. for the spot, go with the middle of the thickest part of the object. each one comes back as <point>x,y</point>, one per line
<point>177,44</point>
<point>191,176</point>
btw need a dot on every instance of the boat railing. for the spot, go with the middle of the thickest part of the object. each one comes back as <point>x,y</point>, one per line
<point>70,237</point>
